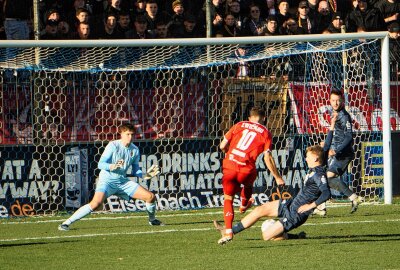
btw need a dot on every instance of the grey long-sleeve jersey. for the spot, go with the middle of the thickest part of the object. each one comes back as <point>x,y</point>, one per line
<point>342,141</point>
<point>315,189</point>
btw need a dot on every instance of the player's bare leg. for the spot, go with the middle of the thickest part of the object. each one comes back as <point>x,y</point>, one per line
<point>147,196</point>
<point>83,211</point>
<point>270,209</point>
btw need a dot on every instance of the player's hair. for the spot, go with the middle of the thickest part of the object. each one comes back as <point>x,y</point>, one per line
<point>316,150</point>
<point>336,92</point>
<point>126,127</point>
<point>257,111</point>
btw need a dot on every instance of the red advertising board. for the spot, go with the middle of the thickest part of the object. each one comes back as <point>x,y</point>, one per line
<point>311,109</point>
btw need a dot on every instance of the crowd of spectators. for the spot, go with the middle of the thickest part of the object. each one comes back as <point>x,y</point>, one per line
<point>144,19</point>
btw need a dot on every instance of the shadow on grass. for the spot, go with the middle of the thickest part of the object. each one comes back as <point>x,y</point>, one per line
<point>333,239</point>
<point>32,244</point>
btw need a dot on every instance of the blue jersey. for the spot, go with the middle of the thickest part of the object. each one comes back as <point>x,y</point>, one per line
<point>315,189</point>
<point>342,141</point>
<point>114,152</point>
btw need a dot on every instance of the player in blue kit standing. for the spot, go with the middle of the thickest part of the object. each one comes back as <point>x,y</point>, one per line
<point>115,161</point>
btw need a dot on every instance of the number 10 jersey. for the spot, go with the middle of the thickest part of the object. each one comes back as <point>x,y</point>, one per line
<point>247,140</point>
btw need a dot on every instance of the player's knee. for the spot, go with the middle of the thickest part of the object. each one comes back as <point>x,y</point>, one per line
<point>261,211</point>
<point>331,174</point>
<point>150,197</point>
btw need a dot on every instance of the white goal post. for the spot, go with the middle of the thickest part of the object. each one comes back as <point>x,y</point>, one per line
<point>113,59</point>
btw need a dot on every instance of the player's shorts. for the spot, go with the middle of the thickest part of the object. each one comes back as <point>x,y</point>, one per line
<point>338,165</point>
<point>289,218</point>
<point>123,189</point>
<point>231,180</point>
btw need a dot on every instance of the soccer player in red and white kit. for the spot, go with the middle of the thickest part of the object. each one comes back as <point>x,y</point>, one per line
<point>243,143</point>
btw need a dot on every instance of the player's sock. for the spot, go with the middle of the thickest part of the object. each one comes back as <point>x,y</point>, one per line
<point>151,210</point>
<point>228,214</point>
<point>353,197</point>
<point>337,184</point>
<point>237,228</point>
<point>80,213</point>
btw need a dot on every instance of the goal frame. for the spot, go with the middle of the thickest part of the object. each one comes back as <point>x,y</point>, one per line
<point>384,60</point>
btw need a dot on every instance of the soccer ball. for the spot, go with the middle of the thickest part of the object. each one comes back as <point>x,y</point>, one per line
<point>267,224</point>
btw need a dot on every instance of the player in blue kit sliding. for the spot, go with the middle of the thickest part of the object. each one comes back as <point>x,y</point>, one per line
<point>115,161</point>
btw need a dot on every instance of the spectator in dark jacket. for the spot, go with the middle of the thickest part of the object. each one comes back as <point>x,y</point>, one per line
<point>291,27</point>
<point>336,25</point>
<point>303,19</point>
<point>283,13</point>
<point>51,30</point>
<point>109,30</point>
<point>162,30</point>
<point>390,10</point>
<point>82,32</point>
<point>188,29</point>
<point>324,17</point>
<point>124,22</point>
<point>114,7</point>
<point>234,9</point>
<point>228,28</point>
<point>368,18</point>
<point>176,23</point>
<point>313,9</point>
<point>139,30</point>
<point>255,25</point>
<point>272,26</point>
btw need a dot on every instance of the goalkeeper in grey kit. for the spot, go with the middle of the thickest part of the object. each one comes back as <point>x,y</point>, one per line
<point>117,158</point>
<point>339,147</point>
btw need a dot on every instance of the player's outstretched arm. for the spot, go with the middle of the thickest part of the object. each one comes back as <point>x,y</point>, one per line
<point>269,161</point>
<point>323,197</point>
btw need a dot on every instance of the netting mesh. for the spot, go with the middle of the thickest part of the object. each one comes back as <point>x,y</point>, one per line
<point>58,114</point>
<point>146,58</point>
<point>353,71</point>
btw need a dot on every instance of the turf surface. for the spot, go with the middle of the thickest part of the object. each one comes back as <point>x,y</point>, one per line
<point>368,239</point>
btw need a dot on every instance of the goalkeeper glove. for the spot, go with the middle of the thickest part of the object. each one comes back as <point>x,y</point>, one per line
<point>118,165</point>
<point>153,171</point>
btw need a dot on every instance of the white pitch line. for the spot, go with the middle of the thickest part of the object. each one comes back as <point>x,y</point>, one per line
<point>101,234</point>
<point>112,218</point>
<point>174,230</point>
<point>136,216</point>
<point>350,222</point>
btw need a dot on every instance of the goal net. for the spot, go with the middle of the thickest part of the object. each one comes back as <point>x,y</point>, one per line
<point>61,104</point>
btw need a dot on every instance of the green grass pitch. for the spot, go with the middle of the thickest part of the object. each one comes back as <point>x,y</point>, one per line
<point>368,239</point>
